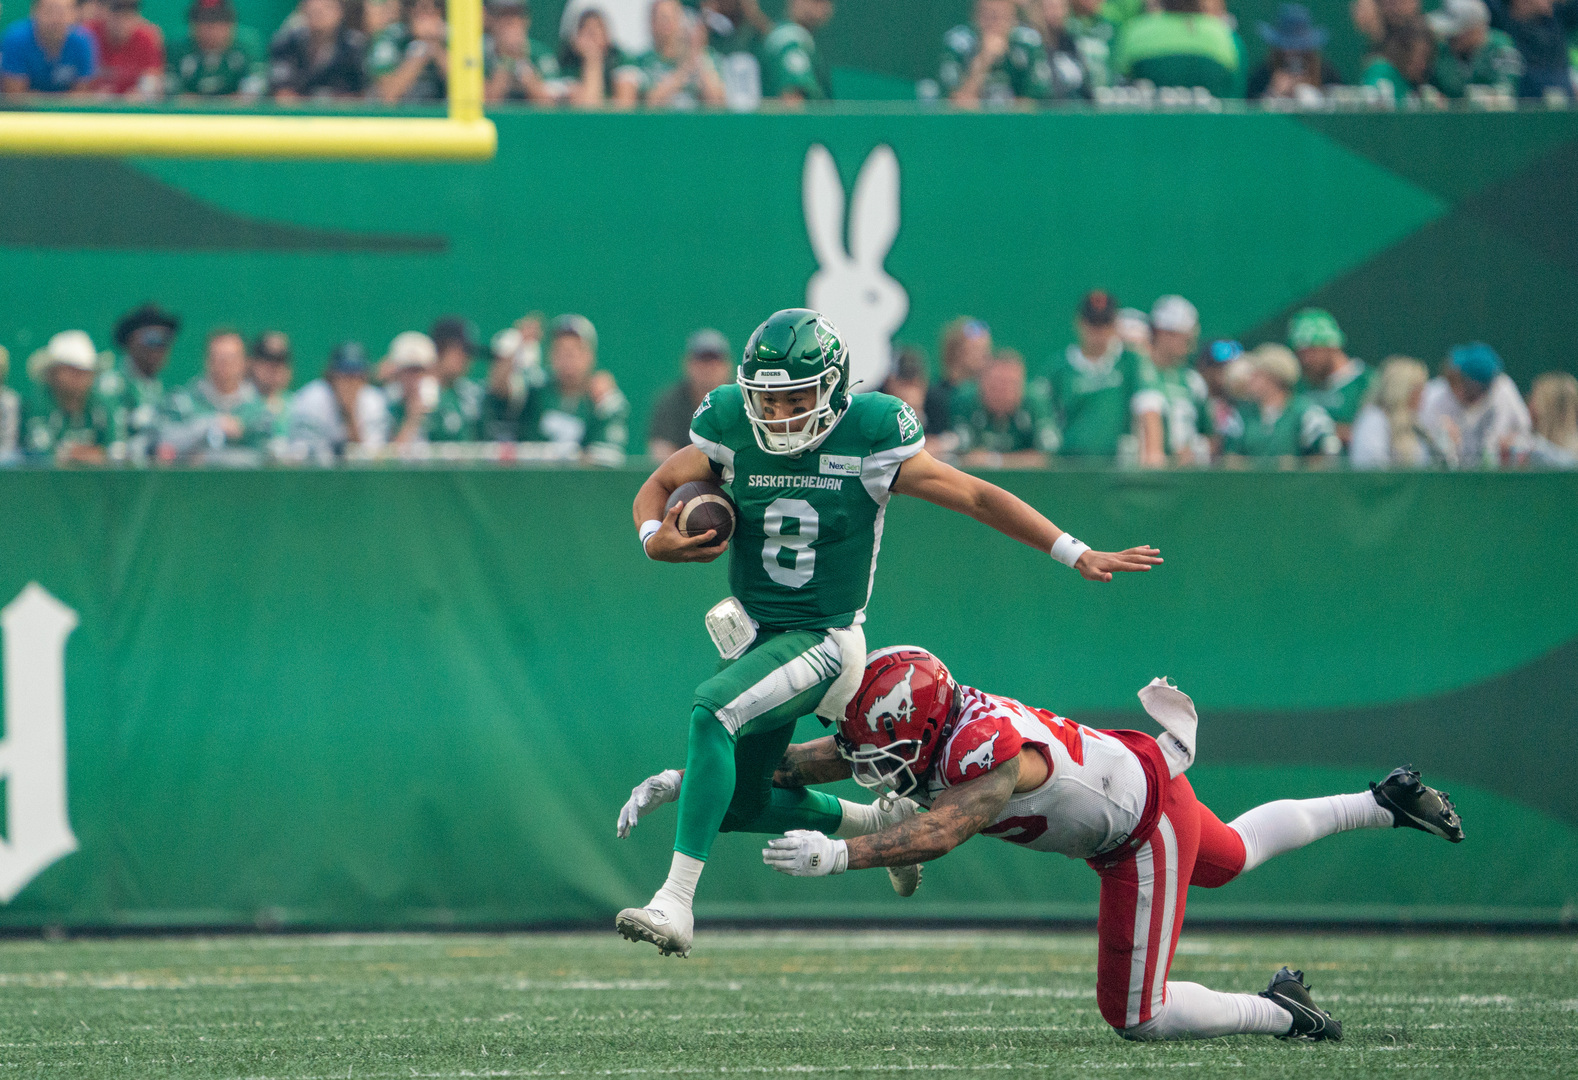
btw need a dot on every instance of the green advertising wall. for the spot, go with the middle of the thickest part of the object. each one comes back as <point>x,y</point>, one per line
<point>363,698</point>
<point>1418,231</point>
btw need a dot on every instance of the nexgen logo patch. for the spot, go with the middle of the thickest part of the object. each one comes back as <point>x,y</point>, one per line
<point>839,465</point>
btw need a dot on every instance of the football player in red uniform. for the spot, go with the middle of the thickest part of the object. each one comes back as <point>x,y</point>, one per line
<point>987,764</point>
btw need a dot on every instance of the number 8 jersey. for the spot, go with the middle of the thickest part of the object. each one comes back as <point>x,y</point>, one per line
<point>804,552</point>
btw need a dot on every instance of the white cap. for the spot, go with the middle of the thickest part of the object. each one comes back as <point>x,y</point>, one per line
<point>73,348</point>
<point>1176,314</point>
<point>1457,16</point>
<point>411,349</point>
<point>507,343</point>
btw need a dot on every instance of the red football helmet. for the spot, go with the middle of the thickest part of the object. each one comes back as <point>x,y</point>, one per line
<point>895,722</point>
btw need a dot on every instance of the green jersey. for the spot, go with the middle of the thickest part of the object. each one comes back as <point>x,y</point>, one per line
<point>804,552</point>
<point>189,419</point>
<point>1497,67</point>
<point>601,429</point>
<point>457,416</point>
<point>653,67</point>
<point>1095,400</point>
<point>539,59</point>
<point>239,69</point>
<point>1093,44</point>
<point>790,62</point>
<point>1299,430</point>
<point>47,429</point>
<point>388,50</point>
<point>1186,414</point>
<point>1030,427</point>
<point>1021,72</point>
<point>1342,395</point>
<point>1177,49</point>
<point>138,400</point>
<point>1394,87</point>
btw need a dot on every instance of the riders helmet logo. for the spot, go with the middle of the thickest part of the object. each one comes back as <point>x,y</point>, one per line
<point>982,755</point>
<point>899,703</point>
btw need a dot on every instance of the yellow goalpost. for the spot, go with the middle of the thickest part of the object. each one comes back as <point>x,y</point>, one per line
<point>464,135</point>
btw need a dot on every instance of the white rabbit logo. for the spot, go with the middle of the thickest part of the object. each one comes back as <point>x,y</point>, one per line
<point>851,287</point>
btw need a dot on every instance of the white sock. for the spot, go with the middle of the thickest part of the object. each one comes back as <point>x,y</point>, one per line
<point>1289,824</point>
<point>680,888</point>
<point>1194,1012</point>
<point>860,819</point>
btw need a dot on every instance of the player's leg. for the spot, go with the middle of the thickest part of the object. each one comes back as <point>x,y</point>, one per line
<point>757,806</point>
<point>781,679</point>
<point>1402,799</point>
<point>1143,899</point>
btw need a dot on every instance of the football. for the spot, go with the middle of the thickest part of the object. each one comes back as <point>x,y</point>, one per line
<point>705,506</point>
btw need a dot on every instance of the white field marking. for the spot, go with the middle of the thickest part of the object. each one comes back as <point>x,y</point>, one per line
<point>975,990</point>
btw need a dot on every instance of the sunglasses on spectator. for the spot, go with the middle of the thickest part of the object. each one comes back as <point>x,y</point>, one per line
<point>153,336</point>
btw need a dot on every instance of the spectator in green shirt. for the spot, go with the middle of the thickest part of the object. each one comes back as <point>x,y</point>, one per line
<point>734,31</point>
<point>1401,71</point>
<point>515,66</point>
<point>218,417</point>
<point>1175,330</point>
<point>1087,23</point>
<point>271,371</point>
<point>679,71</point>
<point>964,353</point>
<point>1101,392</point>
<point>995,60</point>
<point>581,409</point>
<point>218,58</point>
<point>456,415</point>
<point>793,69</point>
<point>411,388</point>
<point>409,59</point>
<point>998,424</point>
<point>592,70</point>
<point>70,421</point>
<point>1331,378</point>
<point>1472,60</point>
<point>1277,421</point>
<point>1180,46</point>
<point>136,384</point>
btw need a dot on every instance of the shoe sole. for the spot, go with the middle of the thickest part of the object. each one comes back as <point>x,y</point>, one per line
<point>1414,821</point>
<point>902,885</point>
<point>631,930</point>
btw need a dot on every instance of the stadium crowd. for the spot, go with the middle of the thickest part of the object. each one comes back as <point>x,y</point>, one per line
<point>718,53</point>
<point>1133,388</point>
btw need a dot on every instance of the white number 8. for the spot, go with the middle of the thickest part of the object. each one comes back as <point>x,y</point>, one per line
<point>779,511</point>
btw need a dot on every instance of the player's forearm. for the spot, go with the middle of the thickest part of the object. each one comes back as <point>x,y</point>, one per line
<point>918,839</point>
<point>1011,516</point>
<point>815,762</point>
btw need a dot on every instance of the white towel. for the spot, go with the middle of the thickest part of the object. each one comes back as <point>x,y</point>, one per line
<point>1171,708</point>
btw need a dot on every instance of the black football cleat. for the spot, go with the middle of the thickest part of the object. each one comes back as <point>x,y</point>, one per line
<point>1418,805</point>
<point>1310,1022</point>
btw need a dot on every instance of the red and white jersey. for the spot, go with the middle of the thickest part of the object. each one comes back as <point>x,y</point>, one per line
<point>1094,795</point>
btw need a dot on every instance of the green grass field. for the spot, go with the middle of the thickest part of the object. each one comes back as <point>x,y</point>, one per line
<point>790,1003</point>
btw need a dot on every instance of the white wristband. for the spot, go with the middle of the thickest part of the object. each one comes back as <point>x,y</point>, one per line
<point>648,527</point>
<point>1067,550</point>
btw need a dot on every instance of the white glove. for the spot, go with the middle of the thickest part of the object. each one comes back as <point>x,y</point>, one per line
<point>804,853</point>
<point>647,796</point>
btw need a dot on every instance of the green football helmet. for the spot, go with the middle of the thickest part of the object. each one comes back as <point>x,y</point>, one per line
<point>795,349</point>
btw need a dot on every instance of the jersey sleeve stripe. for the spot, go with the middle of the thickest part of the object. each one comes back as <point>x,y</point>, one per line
<point>716,452</point>
<point>878,470</point>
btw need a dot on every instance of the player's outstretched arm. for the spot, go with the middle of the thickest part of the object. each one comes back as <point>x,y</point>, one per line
<point>924,477</point>
<point>956,815</point>
<point>667,544</point>
<point>808,763</point>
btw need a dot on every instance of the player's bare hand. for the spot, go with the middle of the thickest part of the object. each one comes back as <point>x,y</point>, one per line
<point>1101,565</point>
<point>668,544</point>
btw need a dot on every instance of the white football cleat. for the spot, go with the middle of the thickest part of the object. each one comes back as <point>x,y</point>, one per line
<point>670,929</point>
<point>905,879</point>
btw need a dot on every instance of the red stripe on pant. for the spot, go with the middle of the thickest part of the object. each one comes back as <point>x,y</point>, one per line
<point>1143,896</point>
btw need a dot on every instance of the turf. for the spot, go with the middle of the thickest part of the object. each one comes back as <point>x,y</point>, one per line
<point>880,1004</point>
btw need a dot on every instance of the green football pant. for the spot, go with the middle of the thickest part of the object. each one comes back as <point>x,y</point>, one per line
<point>740,726</point>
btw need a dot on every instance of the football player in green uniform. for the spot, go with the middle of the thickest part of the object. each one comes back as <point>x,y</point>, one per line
<point>810,468</point>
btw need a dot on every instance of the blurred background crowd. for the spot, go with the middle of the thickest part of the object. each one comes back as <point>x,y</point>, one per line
<point>731,53</point>
<point>1134,387</point>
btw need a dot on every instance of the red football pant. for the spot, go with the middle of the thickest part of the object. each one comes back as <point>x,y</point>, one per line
<point>1142,903</point>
